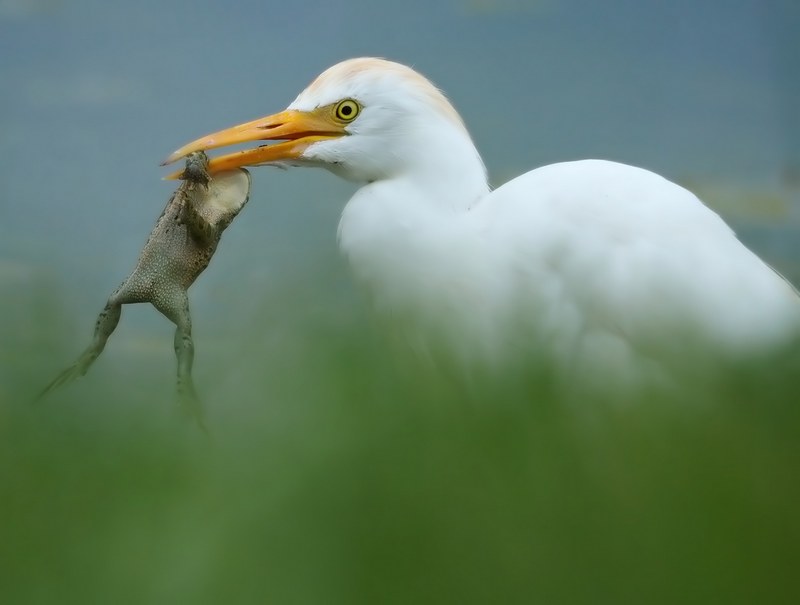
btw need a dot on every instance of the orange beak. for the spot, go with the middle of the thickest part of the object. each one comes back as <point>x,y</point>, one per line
<point>297,130</point>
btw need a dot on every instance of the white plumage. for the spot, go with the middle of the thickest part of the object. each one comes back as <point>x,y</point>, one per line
<point>607,269</point>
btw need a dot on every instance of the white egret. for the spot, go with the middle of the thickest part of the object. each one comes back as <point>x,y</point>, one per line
<point>604,267</point>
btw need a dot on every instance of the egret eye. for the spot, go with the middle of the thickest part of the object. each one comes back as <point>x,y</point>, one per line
<point>347,110</point>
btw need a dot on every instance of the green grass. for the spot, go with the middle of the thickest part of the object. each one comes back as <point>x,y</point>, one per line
<point>334,476</point>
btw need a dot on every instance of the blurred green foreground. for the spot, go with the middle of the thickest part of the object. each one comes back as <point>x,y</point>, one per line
<point>334,476</point>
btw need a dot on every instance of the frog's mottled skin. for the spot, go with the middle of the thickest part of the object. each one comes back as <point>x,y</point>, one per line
<point>178,250</point>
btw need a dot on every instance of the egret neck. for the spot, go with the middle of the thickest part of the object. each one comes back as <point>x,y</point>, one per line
<point>412,243</point>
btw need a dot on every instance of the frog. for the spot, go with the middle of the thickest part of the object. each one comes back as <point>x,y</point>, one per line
<point>178,249</point>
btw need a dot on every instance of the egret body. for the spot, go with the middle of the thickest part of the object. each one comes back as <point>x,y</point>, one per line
<point>603,267</point>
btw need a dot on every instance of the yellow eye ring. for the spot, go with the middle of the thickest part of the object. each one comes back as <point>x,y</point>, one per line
<point>347,110</point>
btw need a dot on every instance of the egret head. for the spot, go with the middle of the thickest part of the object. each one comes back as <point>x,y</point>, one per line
<point>365,119</point>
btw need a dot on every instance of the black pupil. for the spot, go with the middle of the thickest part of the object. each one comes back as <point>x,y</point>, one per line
<point>346,110</point>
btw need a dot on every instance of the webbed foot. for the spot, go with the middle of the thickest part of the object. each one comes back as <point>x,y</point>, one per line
<point>191,407</point>
<point>76,370</point>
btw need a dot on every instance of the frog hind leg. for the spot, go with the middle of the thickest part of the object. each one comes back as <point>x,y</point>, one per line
<point>105,325</point>
<point>174,305</point>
